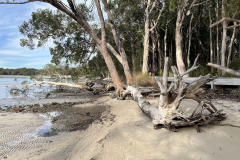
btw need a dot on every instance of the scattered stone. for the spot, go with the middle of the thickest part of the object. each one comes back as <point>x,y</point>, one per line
<point>54,119</point>
<point>27,107</point>
<point>3,114</point>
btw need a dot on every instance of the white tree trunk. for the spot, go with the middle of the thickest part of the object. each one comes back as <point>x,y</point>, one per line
<point>230,45</point>
<point>179,52</point>
<point>211,43</point>
<point>224,39</point>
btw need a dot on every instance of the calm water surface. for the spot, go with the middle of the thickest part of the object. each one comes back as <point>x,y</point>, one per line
<point>9,81</point>
<point>34,94</point>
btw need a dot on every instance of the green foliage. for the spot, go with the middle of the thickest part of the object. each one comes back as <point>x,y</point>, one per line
<point>235,65</point>
<point>19,71</point>
<point>24,82</point>
<point>71,43</point>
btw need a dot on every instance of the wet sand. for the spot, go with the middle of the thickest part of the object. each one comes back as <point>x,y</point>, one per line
<point>122,132</point>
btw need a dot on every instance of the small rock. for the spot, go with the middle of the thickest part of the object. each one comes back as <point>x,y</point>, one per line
<point>41,105</point>
<point>3,114</point>
<point>54,119</point>
<point>27,107</point>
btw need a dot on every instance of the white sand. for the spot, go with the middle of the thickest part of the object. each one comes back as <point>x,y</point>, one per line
<point>131,137</point>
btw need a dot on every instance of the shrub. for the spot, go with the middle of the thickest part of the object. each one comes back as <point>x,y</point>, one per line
<point>143,80</point>
<point>24,82</point>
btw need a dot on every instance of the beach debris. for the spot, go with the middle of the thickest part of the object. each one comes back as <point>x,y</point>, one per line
<point>54,119</point>
<point>168,114</point>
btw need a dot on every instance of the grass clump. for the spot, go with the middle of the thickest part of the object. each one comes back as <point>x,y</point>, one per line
<point>144,80</point>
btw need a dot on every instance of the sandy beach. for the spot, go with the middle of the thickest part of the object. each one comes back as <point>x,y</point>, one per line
<point>123,132</point>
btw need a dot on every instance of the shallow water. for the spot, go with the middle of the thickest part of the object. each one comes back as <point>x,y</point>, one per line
<point>35,94</point>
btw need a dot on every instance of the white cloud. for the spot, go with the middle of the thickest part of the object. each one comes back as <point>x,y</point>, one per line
<point>10,52</point>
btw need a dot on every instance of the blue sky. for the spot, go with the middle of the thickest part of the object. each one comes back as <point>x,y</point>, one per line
<point>12,55</point>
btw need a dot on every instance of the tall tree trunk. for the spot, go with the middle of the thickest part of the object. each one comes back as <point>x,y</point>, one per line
<point>189,41</point>
<point>224,39</point>
<point>165,42</point>
<point>133,54</point>
<point>119,44</point>
<point>154,54</point>
<point>148,11</point>
<point>103,48</point>
<point>230,45</point>
<point>178,35</point>
<point>159,52</point>
<point>211,45</point>
<point>218,58</point>
<point>146,44</point>
<point>179,48</point>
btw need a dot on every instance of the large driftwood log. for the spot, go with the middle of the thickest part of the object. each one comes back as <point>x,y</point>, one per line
<point>87,86</point>
<point>168,113</point>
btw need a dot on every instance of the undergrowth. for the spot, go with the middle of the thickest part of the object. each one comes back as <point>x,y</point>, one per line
<point>144,80</point>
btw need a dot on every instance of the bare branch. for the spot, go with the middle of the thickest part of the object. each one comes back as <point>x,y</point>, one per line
<point>233,26</point>
<point>194,5</point>
<point>153,5</point>
<point>20,2</point>
<point>228,70</point>
<point>192,68</point>
<point>224,19</point>
<point>160,14</point>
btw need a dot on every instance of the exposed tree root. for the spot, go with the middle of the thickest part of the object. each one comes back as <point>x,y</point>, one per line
<point>168,114</point>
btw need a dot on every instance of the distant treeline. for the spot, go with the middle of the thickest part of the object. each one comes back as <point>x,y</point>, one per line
<point>19,71</point>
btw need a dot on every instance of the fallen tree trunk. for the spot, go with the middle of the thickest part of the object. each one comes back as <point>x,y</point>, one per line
<point>228,70</point>
<point>84,87</point>
<point>168,113</point>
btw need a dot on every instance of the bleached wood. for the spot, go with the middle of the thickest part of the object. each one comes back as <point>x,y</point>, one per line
<point>228,70</point>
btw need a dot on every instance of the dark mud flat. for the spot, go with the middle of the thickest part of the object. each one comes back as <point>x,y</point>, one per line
<point>67,117</point>
<point>77,118</point>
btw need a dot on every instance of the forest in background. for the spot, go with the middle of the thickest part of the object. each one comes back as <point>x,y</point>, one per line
<point>138,33</point>
<point>19,71</point>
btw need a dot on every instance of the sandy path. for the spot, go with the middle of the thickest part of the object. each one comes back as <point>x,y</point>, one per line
<point>129,136</point>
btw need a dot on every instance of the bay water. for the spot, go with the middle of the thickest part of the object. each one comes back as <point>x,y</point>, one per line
<point>34,94</point>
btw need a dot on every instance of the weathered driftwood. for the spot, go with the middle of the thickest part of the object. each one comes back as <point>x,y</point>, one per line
<point>228,70</point>
<point>168,113</point>
<point>95,90</point>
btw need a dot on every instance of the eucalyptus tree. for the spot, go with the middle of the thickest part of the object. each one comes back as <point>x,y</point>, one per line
<point>79,16</point>
<point>71,43</point>
<point>184,9</point>
<point>229,8</point>
<point>129,19</point>
<point>152,7</point>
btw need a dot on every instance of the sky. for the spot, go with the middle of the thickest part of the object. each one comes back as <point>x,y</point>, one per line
<point>12,55</point>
